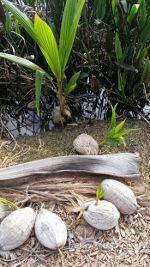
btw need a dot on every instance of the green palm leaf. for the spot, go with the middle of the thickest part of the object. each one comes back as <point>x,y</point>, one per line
<point>119,126</point>
<point>146,72</point>
<point>118,48</point>
<point>21,61</point>
<point>66,28</point>
<point>72,83</point>
<point>26,63</point>
<point>145,34</point>
<point>113,118</point>
<point>114,135</point>
<point>133,12</point>
<point>70,21</point>
<point>38,84</point>
<point>22,18</point>
<point>48,45</point>
<point>119,134</point>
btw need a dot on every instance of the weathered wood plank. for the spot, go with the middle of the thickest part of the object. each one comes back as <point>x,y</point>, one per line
<point>126,165</point>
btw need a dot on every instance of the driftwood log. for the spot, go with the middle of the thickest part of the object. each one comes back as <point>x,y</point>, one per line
<point>124,165</point>
<point>58,177</point>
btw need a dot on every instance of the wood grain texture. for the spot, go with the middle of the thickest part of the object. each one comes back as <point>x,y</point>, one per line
<point>125,165</point>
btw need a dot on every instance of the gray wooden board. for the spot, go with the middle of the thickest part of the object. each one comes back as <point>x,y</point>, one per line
<point>125,165</point>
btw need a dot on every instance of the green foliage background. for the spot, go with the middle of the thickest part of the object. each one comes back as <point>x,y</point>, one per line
<point>113,36</point>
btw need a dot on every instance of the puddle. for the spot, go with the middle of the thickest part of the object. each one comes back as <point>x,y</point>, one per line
<point>23,121</point>
<point>27,124</point>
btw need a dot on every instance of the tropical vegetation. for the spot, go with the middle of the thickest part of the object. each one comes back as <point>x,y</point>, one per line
<point>111,41</point>
<point>56,55</point>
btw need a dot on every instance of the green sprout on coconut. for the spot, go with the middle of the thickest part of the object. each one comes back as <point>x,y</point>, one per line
<point>5,202</point>
<point>99,194</point>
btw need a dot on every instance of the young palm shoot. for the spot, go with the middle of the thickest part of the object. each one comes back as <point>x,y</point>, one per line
<point>6,202</point>
<point>99,194</point>
<point>56,55</point>
<point>114,134</point>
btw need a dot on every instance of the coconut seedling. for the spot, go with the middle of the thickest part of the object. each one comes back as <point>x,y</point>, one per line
<point>114,135</point>
<point>101,214</point>
<point>86,144</point>
<point>56,55</point>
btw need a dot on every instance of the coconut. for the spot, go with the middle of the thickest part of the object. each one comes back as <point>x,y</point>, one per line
<point>16,228</point>
<point>103,216</point>
<point>50,230</point>
<point>86,145</point>
<point>120,195</point>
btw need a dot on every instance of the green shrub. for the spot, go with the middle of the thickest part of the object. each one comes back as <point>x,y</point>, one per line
<point>119,38</point>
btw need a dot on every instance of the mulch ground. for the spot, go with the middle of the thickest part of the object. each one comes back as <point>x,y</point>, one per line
<point>126,245</point>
